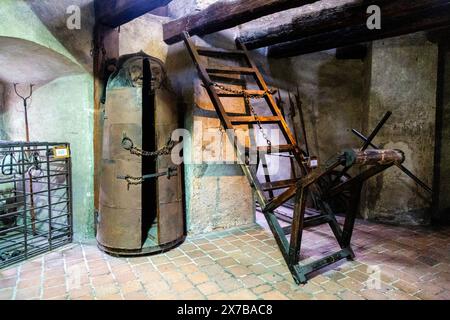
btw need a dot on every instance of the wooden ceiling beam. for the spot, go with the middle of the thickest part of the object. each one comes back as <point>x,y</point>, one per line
<point>225,14</point>
<point>431,17</point>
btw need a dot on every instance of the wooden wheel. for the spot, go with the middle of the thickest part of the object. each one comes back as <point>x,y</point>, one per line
<point>339,203</point>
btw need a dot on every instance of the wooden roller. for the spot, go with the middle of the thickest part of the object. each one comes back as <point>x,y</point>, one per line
<point>375,157</point>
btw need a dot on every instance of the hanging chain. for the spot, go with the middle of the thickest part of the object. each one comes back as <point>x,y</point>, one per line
<point>133,181</point>
<point>128,144</point>
<point>247,96</point>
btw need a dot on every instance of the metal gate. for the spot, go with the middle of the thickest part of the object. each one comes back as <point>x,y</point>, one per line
<point>35,199</point>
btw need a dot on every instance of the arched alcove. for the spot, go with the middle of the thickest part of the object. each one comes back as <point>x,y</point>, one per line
<point>60,110</point>
<point>25,61</point>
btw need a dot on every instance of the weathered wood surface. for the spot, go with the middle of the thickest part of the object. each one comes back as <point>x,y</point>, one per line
<point>431,17</point>
<point>114,13</point>
<point>327,20</point>
<point>225,14</point>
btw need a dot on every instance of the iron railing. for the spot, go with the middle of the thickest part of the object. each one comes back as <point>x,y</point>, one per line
<point>35,200</point>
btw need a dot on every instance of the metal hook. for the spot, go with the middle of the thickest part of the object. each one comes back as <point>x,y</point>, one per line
<point>24,98</point>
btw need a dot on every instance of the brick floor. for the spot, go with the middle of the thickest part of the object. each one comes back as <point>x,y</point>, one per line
<point>244,263</point>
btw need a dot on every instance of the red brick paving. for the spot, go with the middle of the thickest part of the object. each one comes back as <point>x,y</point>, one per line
<point>244,263</point>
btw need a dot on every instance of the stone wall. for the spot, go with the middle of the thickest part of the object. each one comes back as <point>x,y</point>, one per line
<point>331,91</point>
<point>144,34</point>
<point>403,77</point>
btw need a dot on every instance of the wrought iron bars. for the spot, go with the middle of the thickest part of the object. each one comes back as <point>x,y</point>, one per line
<point>33,164</point>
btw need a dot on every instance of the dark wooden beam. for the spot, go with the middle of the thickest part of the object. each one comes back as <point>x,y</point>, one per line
<point>307,25</point>
<point>441,177</point>
<point>106,46</point>
<point>432,17</point>
<point>113,13</point>
<point>353,14</point>
<point>225,14</point>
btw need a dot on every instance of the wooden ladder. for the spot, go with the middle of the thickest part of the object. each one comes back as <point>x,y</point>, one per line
<point>289,249</point>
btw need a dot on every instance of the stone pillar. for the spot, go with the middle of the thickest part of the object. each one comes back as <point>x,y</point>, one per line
<point>218,195</point>
<point>441,186</point>
<point>403,80</point>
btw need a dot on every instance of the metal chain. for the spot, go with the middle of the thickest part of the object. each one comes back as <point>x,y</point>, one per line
<point>247,96</point>
<point>133,181</point>
<point>128,144</point>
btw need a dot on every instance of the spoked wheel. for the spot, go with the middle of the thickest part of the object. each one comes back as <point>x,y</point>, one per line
<point>339,204</point>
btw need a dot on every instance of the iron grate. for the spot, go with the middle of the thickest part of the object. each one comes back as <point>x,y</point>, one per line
<point>35,200</point>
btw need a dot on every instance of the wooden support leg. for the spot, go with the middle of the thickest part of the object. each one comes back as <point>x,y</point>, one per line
<point>280,238</point>
<point>334,226</point>
<point>265,167</point>
<point>297,225</point>
<point>350,218</point>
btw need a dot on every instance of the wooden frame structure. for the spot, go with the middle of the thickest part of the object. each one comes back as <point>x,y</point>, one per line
<point>379,160</point>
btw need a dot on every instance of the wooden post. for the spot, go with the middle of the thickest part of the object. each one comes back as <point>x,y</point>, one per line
<point>106,46</point>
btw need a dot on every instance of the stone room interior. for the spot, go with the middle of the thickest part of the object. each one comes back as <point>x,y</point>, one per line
<point>224,150</point>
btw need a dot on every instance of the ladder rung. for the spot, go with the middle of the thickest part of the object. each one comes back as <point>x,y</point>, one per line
<point>252,119</point>
<point>217,52</point>
<point>231,70</point>
<point>275,185</point>
<point>276,149</point>
<point>222,93</point>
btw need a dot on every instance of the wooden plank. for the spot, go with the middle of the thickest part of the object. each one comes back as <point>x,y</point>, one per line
<point>231,70</point>
<point>223,15</point>
<point>282,198</point>
<point>222,93</point>
<point>277,148</point>
<point>252,119</point>
<point>276,185</point>
<point>113,13</point>
<point>217,52</point>
<point>432,17</point>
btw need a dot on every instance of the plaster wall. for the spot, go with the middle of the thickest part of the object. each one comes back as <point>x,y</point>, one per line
<point>18,20</point>
<point>144,34</point>
<point>403,80</point>
<point>331,92</point>
<point>61,107</point>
